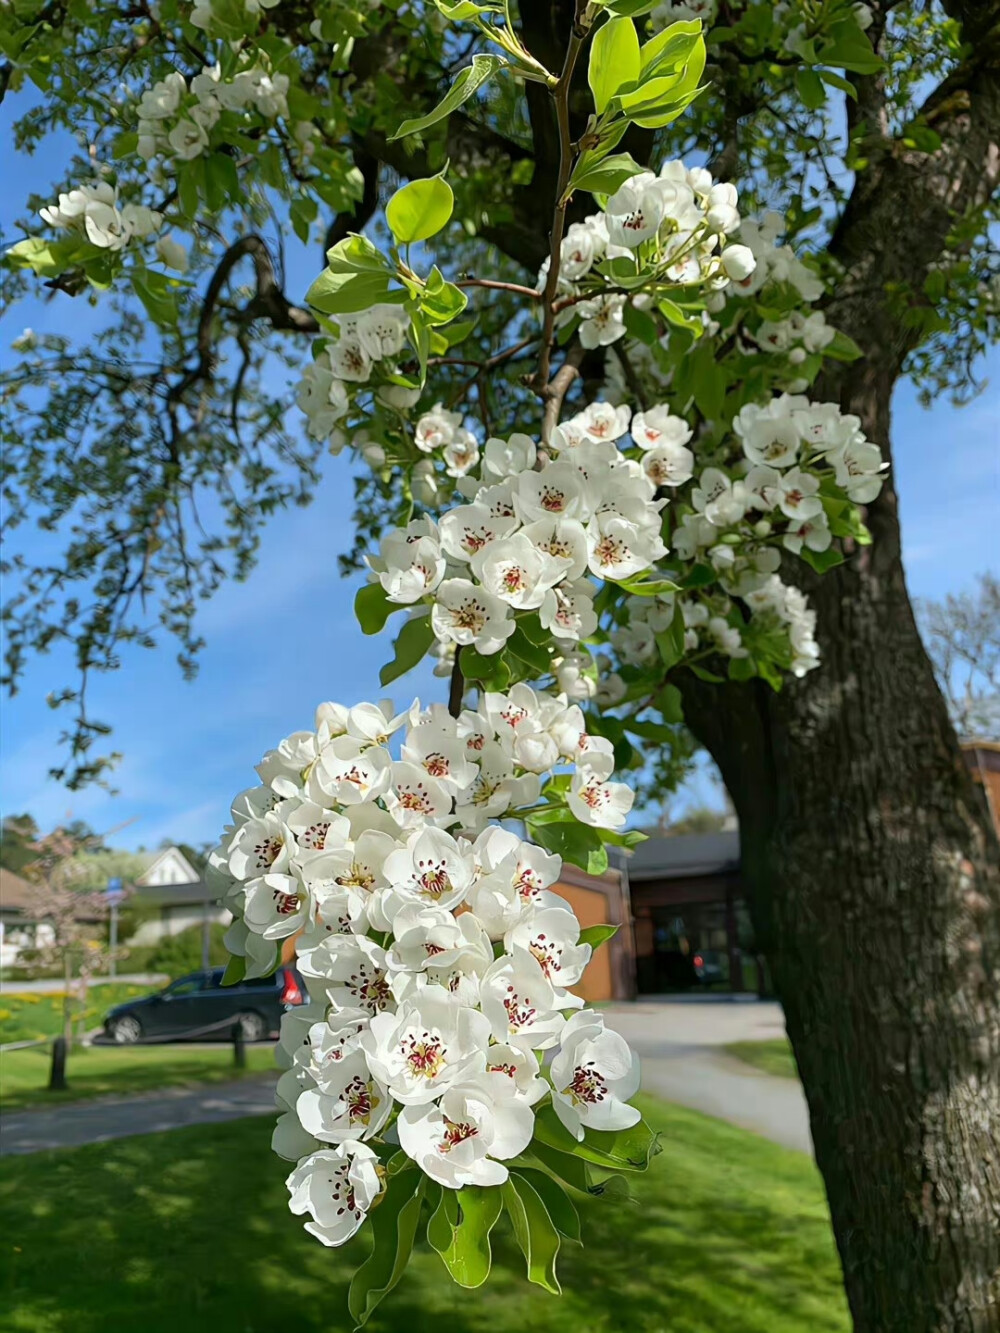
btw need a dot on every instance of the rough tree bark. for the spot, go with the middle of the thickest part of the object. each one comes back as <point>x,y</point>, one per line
<point>873,869</point>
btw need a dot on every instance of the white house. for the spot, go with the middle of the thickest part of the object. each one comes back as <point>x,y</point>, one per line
<point>171,884</point>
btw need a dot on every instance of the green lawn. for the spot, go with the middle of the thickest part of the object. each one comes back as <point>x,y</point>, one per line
<point>772,1057</point>
<point>96,1070</point>
<point>189,1231</point>
<point>28,1016</point>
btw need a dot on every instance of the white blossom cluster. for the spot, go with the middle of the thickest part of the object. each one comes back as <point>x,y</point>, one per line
<point>177,119</point>
<point>682,219</point>
<point>366,348</point>
<point>528,535</point>
<point>437,956</point>
<point>94,210</point>
<point>204,15</point>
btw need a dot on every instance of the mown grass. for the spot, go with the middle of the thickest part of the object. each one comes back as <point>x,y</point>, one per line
<point>95,1071</point>
<point>30,1016</point>
<point>189,1231</point>
<point>773,1056</point>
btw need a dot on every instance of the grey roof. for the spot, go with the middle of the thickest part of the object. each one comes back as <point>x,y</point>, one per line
<point>176,895</point>
<point>685,855</point>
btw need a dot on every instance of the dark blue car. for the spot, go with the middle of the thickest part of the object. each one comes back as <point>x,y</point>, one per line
<point>199,1007</point>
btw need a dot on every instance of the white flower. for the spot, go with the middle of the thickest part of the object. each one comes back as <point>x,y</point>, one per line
<point>515,571</point>
<point>522,1007</point>
<point>172,253</point>
<point>668,465</point>
<point>351,972</point>
<point>722,500</point>
<point>737,262</point>
<point>336,1187</point>
<point>430,936</point>
<point>461,454</point>
<point>603,320</point>
<point>812,532</point>
<point>351,1104</point>
<point>798,494</point>
<point>432,1043</point>
<point>162,100</point>
<point>618,548</point>
<point>593,1075</point>
<point>351,771</point>
<point>857,467</point>
<point>634,212</point>
<point>657,427</point>
<point>601,422</point>
<point>507,458</point>
<point>381,330</point>
<point>552,936</point>
<point>348,358</point>
<point>597,802</point>
<point>436,428</point>
<point>495,790</point>
<point>555,491</point>
<point>411,560</point>
<point>562,538</point>
<point>568,611</point>
<point>458,1141</point>
<point>431,869</point>
<point>187,140</point>
<point>465,614</point>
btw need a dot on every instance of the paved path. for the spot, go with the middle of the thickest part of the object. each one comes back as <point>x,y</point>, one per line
<point>104,1118</point>
<point>680,1045</point>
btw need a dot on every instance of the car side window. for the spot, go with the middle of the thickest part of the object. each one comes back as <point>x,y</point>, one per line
<point>185,986</point>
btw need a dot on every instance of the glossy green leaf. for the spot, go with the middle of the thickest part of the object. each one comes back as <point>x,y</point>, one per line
<point>419,209</point>
<point>372,608</point>
<point>441,301</point>
<point>236,970</point>
<point>575,842</point>
<point>558,1204</point>
<point>393,1226</point>
<point>534,655</point>
<point>631,8</point>
<point>534,1231</point>
<point>821,561</point>
<point>465,9</point>
<point>614,60</point>
<point>671,48</point>
<point>345,293</point>
<point>465,86</point>
<point>595,936</point>
<point>603,175</point>
<point>849,48</point>
<point>621,1150</point>
<point>469,1216</point>
<point>412,643</point>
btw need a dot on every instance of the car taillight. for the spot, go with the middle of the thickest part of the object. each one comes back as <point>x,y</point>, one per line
<point>291,994</point>
<point>698,960</point>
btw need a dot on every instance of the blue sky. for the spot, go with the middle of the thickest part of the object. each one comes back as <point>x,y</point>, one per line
<point>190,746</point>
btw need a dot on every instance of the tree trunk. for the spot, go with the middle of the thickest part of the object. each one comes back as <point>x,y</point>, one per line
<point>875,892</point>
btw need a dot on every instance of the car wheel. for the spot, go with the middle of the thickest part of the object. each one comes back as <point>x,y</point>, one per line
<point>252,1027</point>
<point>126,1030</point>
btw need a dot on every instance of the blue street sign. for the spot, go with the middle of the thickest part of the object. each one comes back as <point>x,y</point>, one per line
<point>114,890</point>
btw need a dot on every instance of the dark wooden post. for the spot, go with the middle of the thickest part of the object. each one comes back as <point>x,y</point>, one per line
<point>239,1047</point>
<point>57,1072</point>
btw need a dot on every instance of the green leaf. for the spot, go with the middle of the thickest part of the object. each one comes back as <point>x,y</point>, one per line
<point>619,1150</point>
<point>393,1225</point>
<point>357,254</point>
<point>842,348</point>
<point>821,561</point>
<point>631,8</point>
<point>809,86</point>
<point>466,84</point>
<point>614,60</point>
<point>468,1217</point>
<point>535,655</point>
<point>533,1230</point>
<point>157,294</point>
<point>557,1202</point>
<point>411,644</point>
<point>670,641</point>
<point>574,842</point>
<point>441,300</point>
<point>640,324</point>
<point>669,704</point>
<point>648,587</point>
<point>344,293</point>
<point>741,668</point>
<point>49,258</point>
<point>236,969</point>
<point>465,9</point>
<point>595,936</point>
<point>372,608</point>
<point>849,48</point>
<point>420,209</point>
<point>603,175</point>
<point>671,48</point>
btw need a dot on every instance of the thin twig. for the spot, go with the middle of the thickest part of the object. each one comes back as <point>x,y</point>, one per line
<point>559,386</point>
<point>515,287</point>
